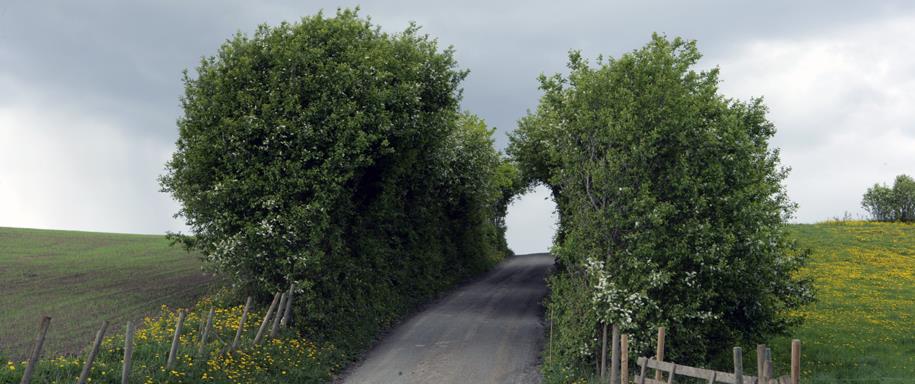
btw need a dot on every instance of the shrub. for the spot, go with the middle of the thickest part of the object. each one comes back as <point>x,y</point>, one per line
<point>671,204</point>
<point>332,156</point>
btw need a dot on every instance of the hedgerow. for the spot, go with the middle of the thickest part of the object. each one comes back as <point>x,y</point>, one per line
<point>671,208</point>
<point>332,156</point>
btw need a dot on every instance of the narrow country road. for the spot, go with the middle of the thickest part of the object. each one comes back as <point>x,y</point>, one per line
<point>489,331</point>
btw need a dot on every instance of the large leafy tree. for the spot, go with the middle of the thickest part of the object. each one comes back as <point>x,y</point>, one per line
<point>331,155</point>
<point>672,205</point>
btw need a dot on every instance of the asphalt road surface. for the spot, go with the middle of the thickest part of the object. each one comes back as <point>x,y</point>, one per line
<point>489,331</point>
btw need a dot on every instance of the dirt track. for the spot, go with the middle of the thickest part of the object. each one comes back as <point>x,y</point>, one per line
<point>489,331</point>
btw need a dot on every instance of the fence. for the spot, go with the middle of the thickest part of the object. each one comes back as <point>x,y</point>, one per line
<point>619,364</point>
<point>278,315</point>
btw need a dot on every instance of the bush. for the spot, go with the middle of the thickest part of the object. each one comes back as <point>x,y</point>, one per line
<point>332,156</point>
<point>672,210</point>
<point>891,204</point>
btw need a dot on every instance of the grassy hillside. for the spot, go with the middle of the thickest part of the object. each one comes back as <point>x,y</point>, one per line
<point>81,278</point>
<point>862,328</point>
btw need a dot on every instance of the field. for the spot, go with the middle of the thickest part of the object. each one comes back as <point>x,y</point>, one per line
<point>82,278</point>
<point>862,328</point>
<point>859,331</point>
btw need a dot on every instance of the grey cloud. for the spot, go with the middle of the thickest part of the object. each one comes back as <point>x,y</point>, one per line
<point>135,51</point>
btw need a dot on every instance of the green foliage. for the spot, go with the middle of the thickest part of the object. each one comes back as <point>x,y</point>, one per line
<point>331,155</point>
<point>878,201</point>
<point>671,204</point>
<point>891,204</point>
<point>534,147</point>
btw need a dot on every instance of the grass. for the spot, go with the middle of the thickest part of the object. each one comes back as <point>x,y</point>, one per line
<point>289,358</point>
<point>859,331</point>
<point>862,327</point>
<point>82,278</point>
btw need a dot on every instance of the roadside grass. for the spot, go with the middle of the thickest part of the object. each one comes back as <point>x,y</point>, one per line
<point>861,329</point>
<point>82,278</point>
<point>288,358</point>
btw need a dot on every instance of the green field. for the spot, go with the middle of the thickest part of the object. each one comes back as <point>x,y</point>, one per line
<point>862,327</point>
<point>82,278</point>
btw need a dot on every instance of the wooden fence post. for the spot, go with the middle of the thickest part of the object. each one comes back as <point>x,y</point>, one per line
<point>206,331</point>
<point>769,372</point>
<point>263,327</point>
<point>241,324</point>
<point>596,363</point>
<point>36,351</point>
<point>597,353</point>
<point>642,374</point>
<point>128,354</point>
<point>795,361</point>
<point>615,355</point>
<point>603,351</point>
<point>659,356</point>
<point>624,359</point>
<point>738,365</point>
<point>173,352</point>
<point>87,365</point>
<point>287,314</point>
<point>761,362</point>
<point>279,314</point>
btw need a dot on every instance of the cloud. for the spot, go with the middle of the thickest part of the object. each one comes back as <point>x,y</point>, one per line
<point>841,101</point>
<point>64,169</point>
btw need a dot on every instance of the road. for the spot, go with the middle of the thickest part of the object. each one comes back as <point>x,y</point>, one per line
<point>488,331</point>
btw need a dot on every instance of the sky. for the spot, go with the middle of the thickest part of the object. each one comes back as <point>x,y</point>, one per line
<point>89,90</point>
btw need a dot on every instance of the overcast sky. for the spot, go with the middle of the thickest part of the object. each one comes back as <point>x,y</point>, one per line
<point>89,90</point>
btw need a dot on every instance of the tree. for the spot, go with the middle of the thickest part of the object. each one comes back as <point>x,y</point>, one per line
<point>904,198</point>
<point>672,204</point>
<point>891,204</point>
<point>878,201</point>
<point>333,156</point>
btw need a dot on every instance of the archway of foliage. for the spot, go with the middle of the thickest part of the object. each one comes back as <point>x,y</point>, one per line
<point>332,156</point>
<point>672,211</point>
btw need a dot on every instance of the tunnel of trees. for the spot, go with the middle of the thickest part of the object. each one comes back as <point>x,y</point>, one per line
<point>332,156</point>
